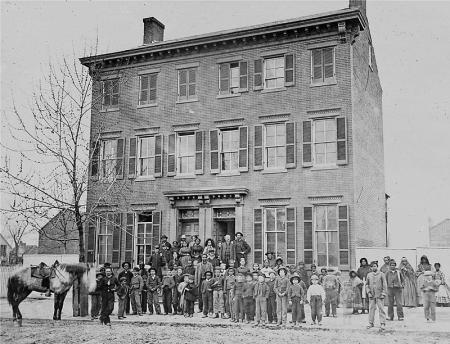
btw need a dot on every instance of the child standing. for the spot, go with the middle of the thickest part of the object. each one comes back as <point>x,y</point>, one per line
<point>136,285</point>
<point>315,296</point>
<point>217,287</point>
<point>153,285</point>
<point>296,295</point>
<point>207,295</point>
<point>230,281</point>
<point>248,297</point>
<point>176,295</point>
<point>122,292</point>
<point>96,297</point>
<point>189,294</point>
<point>429,288</point>
<point>272,299</point>
<point>238,301</point>
<point>260,294</point>
<point>168,284</point>
<point>331,285</point>
<point>281,288</point>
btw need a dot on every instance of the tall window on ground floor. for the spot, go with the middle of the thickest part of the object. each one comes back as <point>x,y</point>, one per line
<point>108,238</point>
<point>147,235</point>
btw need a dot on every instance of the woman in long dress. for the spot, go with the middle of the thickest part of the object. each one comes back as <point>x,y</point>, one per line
<point>185,254</point>
<point>443,294</point>
<point>362,272</point>
<point>410,287</point>
<point>421,268</point>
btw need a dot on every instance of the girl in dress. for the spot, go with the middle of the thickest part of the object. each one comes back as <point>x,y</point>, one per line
<point>410,287</point>
<point>443,294</point>
<point>421,268</point>
<point>362,272</point>
<point>209,246</point>
<point>185,253</point>
<point>356,283</point>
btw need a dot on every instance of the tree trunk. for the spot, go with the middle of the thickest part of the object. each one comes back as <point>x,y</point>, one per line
<point>80,291</point>
<point>80,227</point>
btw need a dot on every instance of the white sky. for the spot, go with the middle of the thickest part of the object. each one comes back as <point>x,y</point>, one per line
<point>412,47</point>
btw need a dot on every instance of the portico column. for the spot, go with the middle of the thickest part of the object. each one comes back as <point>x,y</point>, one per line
<point>238,219</point>
<point>172,230</point>
<point>208,222</point>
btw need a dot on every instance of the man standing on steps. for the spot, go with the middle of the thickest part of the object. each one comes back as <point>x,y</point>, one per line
<point>241,247</point>
<point>377,289</point>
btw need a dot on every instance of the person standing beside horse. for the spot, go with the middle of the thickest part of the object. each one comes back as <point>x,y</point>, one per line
<point>108,285</point>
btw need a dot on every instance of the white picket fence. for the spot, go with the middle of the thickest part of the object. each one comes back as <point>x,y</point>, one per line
<point>5,272</point>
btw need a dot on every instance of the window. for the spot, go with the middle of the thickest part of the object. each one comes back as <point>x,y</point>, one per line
<point>325,142</point>
<point>146,165</point>
<point>322,65</point>
<point>188,223</point>
<point>233,77</point>
<point>110,92</point>
<point>108,238</point>
<point>275,230</point>
<point>275,150</point>
<point>186,153</point>
<point>111,159</point>
<point>326,231</point>
<point>144,237</point>
<point>147,89</point>
<point>274,72</point>
<point>2,250</point>
<point>229,150</point>
<point>187,84</point>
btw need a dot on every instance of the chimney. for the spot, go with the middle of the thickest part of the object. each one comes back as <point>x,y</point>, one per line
<point>153,30</point>
<point>361,4</point>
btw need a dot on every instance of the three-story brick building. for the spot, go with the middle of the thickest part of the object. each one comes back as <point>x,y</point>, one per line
<point>273,130</point>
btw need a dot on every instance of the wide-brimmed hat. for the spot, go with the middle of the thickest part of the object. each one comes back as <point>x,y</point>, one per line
<point>354,271</point>
<point>129,264</point>
<point>152,269</point>
<point>269,252</point>
<point>428,273</point>
<point>163,236</point>
<point>99,272</point>
<point>314,277</point>
<point>207,272</point>
<point>286,271</point>
<point>295,276</point>
<point>136,269</point>
<point>107,265</point>
<point>278,258</point>
<point>123,279</point>
<point>374,262</point>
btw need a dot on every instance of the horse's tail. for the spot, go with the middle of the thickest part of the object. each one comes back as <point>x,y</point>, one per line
<point>12,287</point>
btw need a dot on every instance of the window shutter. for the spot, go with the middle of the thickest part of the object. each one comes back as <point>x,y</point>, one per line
<point>341,125</point>
<point>328,63</point>
<point>343,234</point>
<point>95,159</point>
<point>214,151</point>
<point>258,235</point>
<point>243,149</point>
<point>120,158</point>
<point>132,158</point>
<point>199,152</point>
<point>316,65</point>
<point>128,253</point>
<point>171,163</point>
<point>224,78</point>
<point>307,143</point>
<point>116,239</point>
<point>156,228</point>
<point>158,155</point>
<point>152,88</point>
<point>289,69</point>
<point>291,152</point>
<point>143,94</point>
<point>258,148</point>
<point>243,76</point>
<point>291,236</point>
<point>308,234</point>
<point>90,240</point>
<point>258,75</point>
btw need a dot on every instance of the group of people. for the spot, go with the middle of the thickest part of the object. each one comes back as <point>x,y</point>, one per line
<point>257,294</point>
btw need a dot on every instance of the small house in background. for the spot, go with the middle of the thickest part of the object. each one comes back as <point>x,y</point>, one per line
<point>5,250</point>
<point>440,234</point>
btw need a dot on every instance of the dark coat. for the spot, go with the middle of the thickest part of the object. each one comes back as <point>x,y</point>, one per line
<point>191,292</point>
<point>157,261</point>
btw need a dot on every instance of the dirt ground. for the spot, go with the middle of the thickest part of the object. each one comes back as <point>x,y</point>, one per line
<point>71,332</point>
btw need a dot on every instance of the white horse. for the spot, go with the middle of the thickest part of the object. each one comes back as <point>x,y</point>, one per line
<point>61,276</point>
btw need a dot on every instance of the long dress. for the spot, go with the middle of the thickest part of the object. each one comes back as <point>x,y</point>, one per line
<point>410,288</point>
<point>362,274</point>
<point>421,268</point>
<point>443,294</point>
<point>185,254</point>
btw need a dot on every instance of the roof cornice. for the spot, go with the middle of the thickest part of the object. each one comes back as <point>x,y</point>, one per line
<point>291,28</point>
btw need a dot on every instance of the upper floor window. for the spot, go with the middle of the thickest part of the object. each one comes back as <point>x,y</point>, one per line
<point>325,142</point>
<point>107,159</point>
<point>185,153</point>
<point>275,146</point>
<point>147,89</point>
<point>110,94</point>
<point>146,165</point>
<point>187,81</point>
<point>233,77</point>
<point>274,72</point>
<point>229,150</point>
<point>323,65</point>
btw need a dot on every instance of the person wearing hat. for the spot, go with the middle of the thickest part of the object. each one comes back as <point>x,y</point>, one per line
<point>266,269</point>
<point>241,247</point>
<point>164,242</point>
<point>315,296</point>
<point>296,294</point>
<point>272,299</point>
<point>153,286</point>
<point>122,292</point>
<point>227,250</point>
<point>185,253</point>
<point>376,290</point>
<point>136,286</point>
<point>143,268</point>
<point>207,294</point>
<point>200,276</point>
<point>260,294</point>
<point>157,261</point>
<point>107,287</point>
<point>128,275</point>
<point>229,282</point>
<point>429,287</point>
<point>190,294</point>
<point>281,289</point>
<point>331,284</point>
<point>238,299</point>
<point>217,285</point>
<point>96,297</point>
<point>301,270</point>
<point>395,283</point>
<point>270,256</point>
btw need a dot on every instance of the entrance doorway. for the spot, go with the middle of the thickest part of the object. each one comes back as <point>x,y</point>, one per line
<point>223,223</point>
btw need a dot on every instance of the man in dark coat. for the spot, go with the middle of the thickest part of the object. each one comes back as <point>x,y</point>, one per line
<point>107,287</point>
<point>241,247</point>
<point>157,261</point>
<point>128,275</point>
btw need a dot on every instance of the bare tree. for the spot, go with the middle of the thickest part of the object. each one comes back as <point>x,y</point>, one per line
<point>16,229</point>
<point>55,149</point>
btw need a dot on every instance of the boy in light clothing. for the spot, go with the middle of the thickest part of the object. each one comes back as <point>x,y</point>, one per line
<point>315,296</point>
